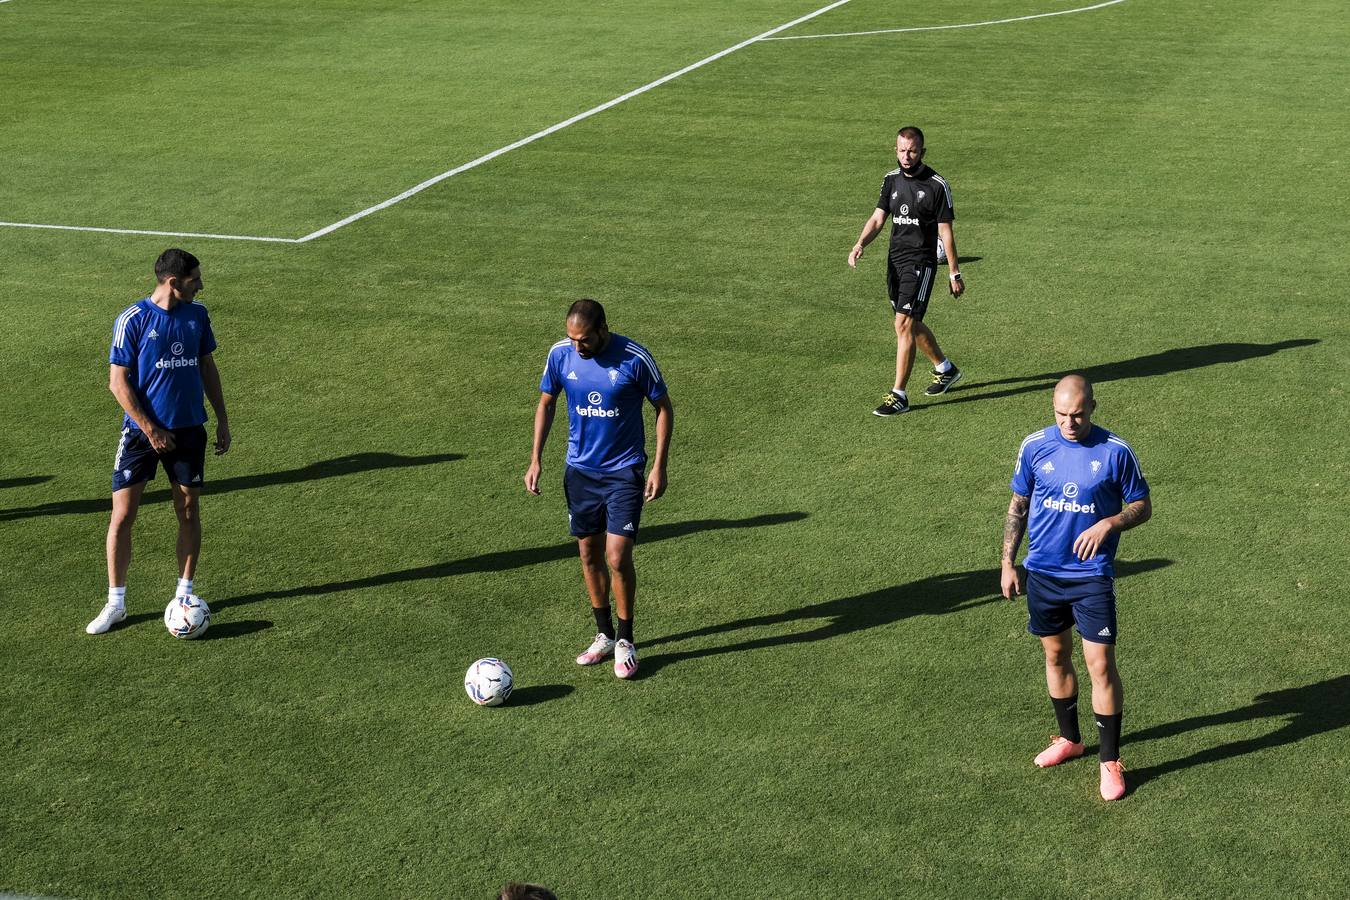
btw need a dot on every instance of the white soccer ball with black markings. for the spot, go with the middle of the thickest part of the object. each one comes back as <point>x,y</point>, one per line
<point>488,682</point>
<point>187,617</point>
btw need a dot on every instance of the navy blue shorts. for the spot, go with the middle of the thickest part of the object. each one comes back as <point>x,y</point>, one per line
<point>604,501</point>
<point>136,460</point>
<point>909,287</point>
<point>1056,603</point>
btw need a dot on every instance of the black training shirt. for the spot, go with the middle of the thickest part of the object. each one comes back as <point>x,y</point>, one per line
<point>916,205</point>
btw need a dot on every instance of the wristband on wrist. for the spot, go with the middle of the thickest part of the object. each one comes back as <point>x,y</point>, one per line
<point>955,276</point>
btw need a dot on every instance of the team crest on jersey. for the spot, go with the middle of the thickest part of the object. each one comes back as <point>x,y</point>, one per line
<point>1096,466</point>
<point>613,375</point>
<point>1048,467</point>
<point>192,325</point>
<point>920,195</point>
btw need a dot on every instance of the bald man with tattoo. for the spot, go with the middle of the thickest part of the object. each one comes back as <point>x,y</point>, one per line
<point>1076,487</point>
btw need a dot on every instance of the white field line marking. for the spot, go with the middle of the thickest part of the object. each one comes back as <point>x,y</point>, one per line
<point>417,189</point>
<point>223,237</point>
<point>1062,12</point>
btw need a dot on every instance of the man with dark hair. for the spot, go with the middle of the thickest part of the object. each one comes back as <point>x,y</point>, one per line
<point>1080,486</point>
<point>606,377</point>
<point>518,891</point>
<point>919,204</point>
<point>160,365</point>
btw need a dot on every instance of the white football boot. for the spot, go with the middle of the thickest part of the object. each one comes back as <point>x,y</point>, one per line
<point>625,659</point>
<point>111,614</point>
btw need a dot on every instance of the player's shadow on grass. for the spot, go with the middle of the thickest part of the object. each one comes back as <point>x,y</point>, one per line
<point>1176,360</point>
<point>329,468</point>
<point>500,561</point>
<point>1310,710</point>
<point>934,596</point>
<point>23,482</point>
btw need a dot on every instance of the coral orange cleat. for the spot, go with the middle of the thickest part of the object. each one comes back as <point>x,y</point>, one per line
<point>1060,750</point>
<point>1113,780</point>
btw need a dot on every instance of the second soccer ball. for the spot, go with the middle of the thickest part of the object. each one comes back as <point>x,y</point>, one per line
<point>187,617</point>
<point>488,682</point>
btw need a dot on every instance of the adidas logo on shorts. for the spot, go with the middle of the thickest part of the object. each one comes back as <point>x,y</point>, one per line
<point>628,527</point>
<point>1105,632</point>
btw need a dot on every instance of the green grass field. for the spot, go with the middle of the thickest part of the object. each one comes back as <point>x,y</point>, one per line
<point>834,701</point>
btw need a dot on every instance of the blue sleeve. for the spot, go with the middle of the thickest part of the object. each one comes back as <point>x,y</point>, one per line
<point>124,340</point>
<point>1024,473</point>
<point>208,336</point>
<point>649,378</point>
<point>551,382</point>
<point>1132,484</point>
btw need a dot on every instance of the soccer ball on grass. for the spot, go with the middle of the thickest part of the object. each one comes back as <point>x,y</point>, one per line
<point>187,617</point>
<point>488,682</point>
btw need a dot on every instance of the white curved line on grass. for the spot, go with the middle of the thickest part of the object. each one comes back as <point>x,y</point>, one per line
<point>437,179</point>
<point>196,234</point>
<point>1062,12</point>
<point>418,188</point>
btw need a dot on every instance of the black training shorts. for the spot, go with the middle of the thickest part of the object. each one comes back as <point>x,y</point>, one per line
<point>909,285</point>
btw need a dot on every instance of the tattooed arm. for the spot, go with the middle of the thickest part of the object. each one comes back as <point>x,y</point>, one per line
<point>1014,526</point>
<point>1136,513</point>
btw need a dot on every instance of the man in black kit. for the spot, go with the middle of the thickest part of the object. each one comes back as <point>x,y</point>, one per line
<point>919,204</point>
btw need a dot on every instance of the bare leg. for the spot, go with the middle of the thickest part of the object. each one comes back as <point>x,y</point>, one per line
<point>186,504</point>
<point>619,555</point>
<point>118,545</point>
<point>927,341</point>
<point>1060,677</point>
<point>1107,693</point>
<point>904,349</point>
<point>593,569</point>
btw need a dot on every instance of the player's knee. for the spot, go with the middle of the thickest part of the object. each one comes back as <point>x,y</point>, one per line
<point>122,520</point>
<point>592,557</point>
<point>620,559</point>
<point>1059,656</point>
<point>904,326</point>
<point>188,507</point>
<point>1102,667</point>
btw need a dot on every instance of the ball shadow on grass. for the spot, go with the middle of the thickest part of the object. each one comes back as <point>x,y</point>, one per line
<point>235,629</point>
<point>538,693</point>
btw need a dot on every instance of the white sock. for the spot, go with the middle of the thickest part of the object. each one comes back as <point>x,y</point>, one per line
<point>901,394</point>
<point>944,367</point>
<point>184,587</point>
<point>118,596</point>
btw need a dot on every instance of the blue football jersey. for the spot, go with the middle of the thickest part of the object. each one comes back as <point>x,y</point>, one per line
<point>162,350</point>
<point>1072,486</point>
<point>604,401</point>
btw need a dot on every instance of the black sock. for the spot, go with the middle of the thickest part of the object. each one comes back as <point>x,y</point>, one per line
<point>1108,728</point>
<point>1066,714</point>
<point>602,621</point>
<point>625,629</point>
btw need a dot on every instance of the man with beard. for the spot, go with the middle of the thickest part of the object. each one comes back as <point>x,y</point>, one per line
<point>606,377</point>
<point>919,204</point>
